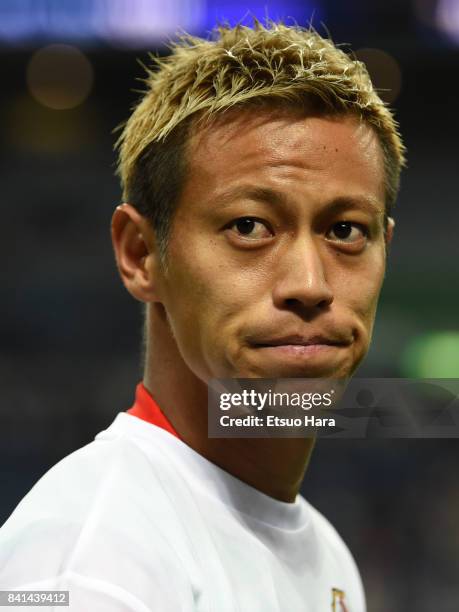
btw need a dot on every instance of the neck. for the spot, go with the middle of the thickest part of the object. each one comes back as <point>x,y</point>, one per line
<point>275,466</point>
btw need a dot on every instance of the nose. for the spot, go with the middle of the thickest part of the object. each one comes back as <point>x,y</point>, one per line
<point>301,281</point>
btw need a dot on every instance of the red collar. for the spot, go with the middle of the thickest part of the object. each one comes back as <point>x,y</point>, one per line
<point>147,409</point>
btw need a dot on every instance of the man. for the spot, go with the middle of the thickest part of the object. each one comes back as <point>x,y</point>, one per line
<point>259,171</point>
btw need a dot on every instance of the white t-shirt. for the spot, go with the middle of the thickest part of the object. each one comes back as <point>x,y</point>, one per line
<point>138,521</point>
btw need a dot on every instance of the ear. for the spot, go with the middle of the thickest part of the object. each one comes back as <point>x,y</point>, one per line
<point>389,230</point>
<point>135,253</point>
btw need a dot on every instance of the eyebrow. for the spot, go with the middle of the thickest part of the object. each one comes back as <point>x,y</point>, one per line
<point>278,199</point>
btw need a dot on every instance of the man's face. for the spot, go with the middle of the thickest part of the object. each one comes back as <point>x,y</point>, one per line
<point>277,250</point>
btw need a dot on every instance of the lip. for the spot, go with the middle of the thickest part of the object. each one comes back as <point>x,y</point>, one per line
<point>298,341</point>
<point>296,354</point>
<point>305,350</point>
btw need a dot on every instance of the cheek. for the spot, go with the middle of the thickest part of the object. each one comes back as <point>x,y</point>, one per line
<point>206,297</point>
<point>359,287</point>
<point>187,298</point>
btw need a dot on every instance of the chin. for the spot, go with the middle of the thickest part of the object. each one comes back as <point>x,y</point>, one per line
<point>288,371</point>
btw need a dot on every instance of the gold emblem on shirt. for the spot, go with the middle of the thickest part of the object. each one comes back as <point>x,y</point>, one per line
<point>338,603</point>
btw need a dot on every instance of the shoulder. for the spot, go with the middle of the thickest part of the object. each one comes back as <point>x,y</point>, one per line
<point>72,486</point>
<point>336,554</point>
<point>330,537</point>
<point>111,465</point>
<point>97,513</point>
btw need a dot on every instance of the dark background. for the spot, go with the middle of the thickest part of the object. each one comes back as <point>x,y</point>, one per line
<point>70,334</point>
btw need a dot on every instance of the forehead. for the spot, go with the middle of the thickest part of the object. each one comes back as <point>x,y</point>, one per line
<point>321,155</point>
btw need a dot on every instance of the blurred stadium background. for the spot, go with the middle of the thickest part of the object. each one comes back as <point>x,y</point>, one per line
<point>70,334</point>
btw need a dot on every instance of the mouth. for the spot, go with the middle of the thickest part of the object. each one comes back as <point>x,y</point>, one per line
<point>315,351</point>
<point>301,342</point>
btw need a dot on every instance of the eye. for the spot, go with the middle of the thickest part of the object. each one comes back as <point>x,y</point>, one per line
<point>347,232</point>
<point>250,227</point>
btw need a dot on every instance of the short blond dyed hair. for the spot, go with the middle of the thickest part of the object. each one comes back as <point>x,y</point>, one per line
<point>271,66</point>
